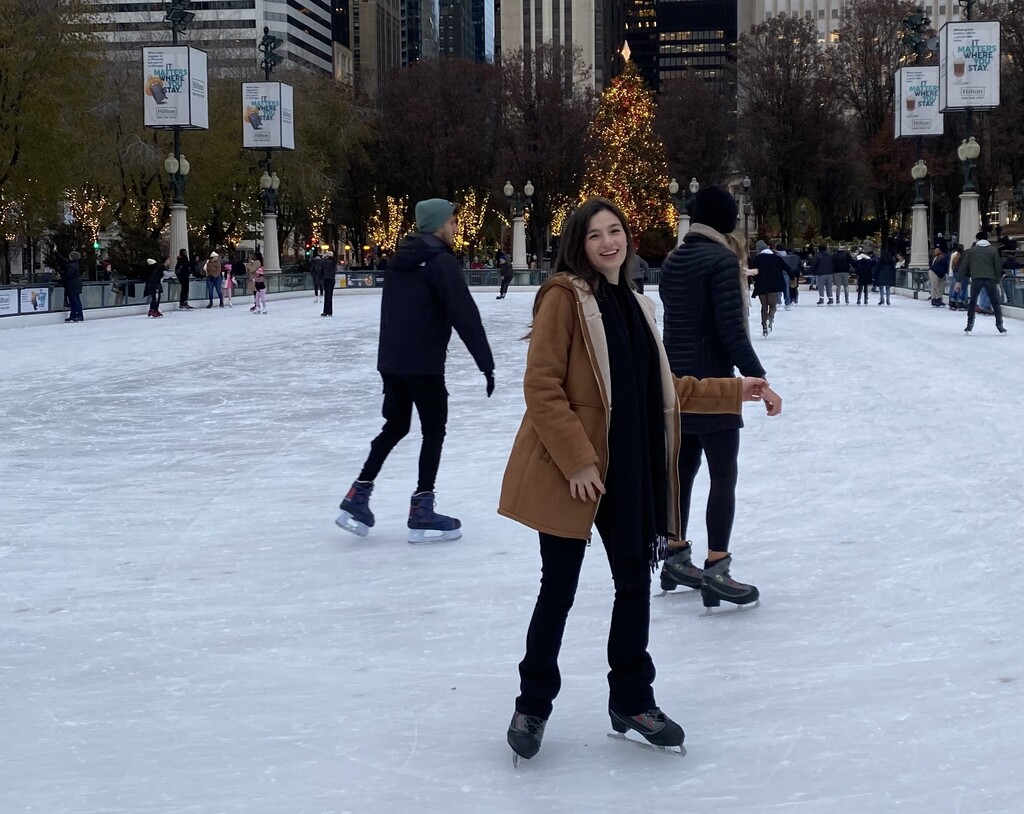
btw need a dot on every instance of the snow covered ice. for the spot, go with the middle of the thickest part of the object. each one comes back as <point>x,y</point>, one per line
<point>184,629</point>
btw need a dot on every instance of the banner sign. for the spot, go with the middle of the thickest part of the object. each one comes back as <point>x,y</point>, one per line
<point>969,65</point>
<point>268,118</point>
<point>8,302</point>
<point>175,88</point>
<point>917,102</point>
<point>35,299</point>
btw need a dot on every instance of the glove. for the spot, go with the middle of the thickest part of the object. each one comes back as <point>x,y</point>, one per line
<point>490,383</point>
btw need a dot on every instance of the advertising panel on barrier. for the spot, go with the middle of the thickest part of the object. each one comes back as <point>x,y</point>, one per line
<point>8,302</point>
<point>35,299</point>
<point>268,116</point>
<point>917,102</point>
<point>969,65</point>
<point>175,89</point>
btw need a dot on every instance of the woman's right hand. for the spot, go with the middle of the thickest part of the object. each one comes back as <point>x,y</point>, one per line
<point>585,483</point>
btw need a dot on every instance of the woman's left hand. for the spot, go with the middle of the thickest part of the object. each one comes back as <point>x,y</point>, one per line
<point>752,388</point>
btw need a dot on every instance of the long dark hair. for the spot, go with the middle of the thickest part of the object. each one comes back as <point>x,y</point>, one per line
<point>572,249</point>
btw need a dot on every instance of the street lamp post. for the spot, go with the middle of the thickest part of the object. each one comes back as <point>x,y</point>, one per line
<point>518,204</point>
<point>177,167</point>
<point>919,223</point>
<point>970,217</point>
<point>801,226</point>
<point>684,206</point>
<point>269,181</point>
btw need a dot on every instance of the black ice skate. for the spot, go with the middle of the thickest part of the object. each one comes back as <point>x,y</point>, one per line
<point>718,585</point>
<point>660,731</point>
<point>524,736</point>
<point>680,570</point>
<point>426,525</point>
<point>356,516</point>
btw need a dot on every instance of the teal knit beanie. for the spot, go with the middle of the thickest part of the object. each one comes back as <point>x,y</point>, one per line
<point>432,214</point>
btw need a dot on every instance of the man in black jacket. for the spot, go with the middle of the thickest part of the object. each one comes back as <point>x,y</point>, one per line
<point>706,337</point>
<point>71,276</point>
<point>425,296</point>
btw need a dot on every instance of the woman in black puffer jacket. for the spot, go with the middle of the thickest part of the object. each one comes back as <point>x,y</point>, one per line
<point>706,337</point>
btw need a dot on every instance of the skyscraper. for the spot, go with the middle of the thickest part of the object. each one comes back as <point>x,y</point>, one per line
<point>483,30</point>
<point>421,30</point>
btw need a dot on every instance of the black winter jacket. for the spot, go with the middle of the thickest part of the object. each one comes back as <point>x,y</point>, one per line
<point>886,271</point>
<point>821,265</point>
<point>704,332</point>
<point>841,262</point>
<point>771,274</point>
<point>71,276</point>
<point>425,296</point>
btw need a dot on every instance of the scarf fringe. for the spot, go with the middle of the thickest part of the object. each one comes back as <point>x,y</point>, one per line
<point>659,551</point>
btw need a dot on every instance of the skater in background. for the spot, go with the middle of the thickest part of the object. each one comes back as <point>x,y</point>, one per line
<point>251,265</point>
<point>316,270</point>
<point>505,268</point>
<point>228,283</point>
<point>865,272</point>
<point>885,277</point>
<point>183,271</point>
<point>638,269</point>
<point>425,296</point>
<point>328,271</point>
<point>212,270</point>
<point>982,266</point>
<point>259,287</point>
<point>822,271</point>
<point>768,284</point>
<point>937,271</point>
<point>154,286</point>
<point>576,463</point>
<point>842,263</point>
<point>705,337</point>
<point>71,279</point>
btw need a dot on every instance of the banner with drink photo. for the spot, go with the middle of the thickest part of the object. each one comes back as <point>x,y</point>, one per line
<point>969,65</point>
<point>268,120</point>
<point>917,102</point>
<point>174,85</point>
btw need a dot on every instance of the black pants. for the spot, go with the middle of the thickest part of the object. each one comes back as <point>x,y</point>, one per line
<point>430,398</point>
<point>794,294</point>
<point>318,287</point>
<point>505,281</point>
<point>75,304</point>
<point>862,288</point>
<point>329,295</point>
<point>632,671</point>
<point>992,287</point>
<point>154,298</point>
<point>722,449</point>
<point>183,296</point>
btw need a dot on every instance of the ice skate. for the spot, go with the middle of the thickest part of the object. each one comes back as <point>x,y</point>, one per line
<point>1001,329</point>
<point>525,733</point>
<point>426,525</point>
<point>718,585</point>
<point>680,570</point>
<point>660,731</point>
<point>356,516</point>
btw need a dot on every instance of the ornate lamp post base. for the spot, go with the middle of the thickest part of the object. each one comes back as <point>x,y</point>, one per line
<point>970,217</point>
<point>919,237</point>
<point>271,252</point>
<point>179,228</point>
<point>519,244</point>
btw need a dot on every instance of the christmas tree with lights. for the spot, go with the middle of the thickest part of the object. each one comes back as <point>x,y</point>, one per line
<point>626,161</point>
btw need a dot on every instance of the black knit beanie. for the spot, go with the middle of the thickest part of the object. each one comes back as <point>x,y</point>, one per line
<point>715,207</point>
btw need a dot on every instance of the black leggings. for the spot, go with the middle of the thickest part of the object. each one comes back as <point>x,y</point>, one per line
<point>722,450</point>
<point>430,397</point>
<point>632,670</point>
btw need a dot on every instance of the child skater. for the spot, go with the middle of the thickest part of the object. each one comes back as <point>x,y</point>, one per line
<point>577,463</point>
<point>259,284</point>
<point>229,284</point>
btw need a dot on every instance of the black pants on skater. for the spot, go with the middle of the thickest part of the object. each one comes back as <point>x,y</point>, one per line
<point>722,449</point>
<point>862,289</point>
<point>328,296</point>
<point>318,286</point>
<point>401,393</point>
<point>154,299</point>
<point>994,295</point>
<point>505,282</point>
<point>632,671</point>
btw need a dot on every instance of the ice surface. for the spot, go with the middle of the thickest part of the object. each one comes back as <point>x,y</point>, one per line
<point>184,629</point>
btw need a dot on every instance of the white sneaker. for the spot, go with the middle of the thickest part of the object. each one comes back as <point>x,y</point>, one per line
<point>263,311</point>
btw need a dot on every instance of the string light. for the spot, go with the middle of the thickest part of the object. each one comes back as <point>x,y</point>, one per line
<point>388,224</point>
<point>472,213</point>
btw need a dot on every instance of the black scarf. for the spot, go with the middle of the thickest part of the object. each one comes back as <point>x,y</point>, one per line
<point>634,509</point>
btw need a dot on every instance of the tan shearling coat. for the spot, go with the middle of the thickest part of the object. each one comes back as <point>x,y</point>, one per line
<point>568,409</point>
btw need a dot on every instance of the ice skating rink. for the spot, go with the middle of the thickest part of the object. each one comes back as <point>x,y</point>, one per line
<point>183,630</point>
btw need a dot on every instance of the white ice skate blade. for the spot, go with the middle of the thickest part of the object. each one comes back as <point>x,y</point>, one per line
<point>711,612</point>
<point>350,524</point>
<point>417,536</point>
<point>677,751</point>
<point>685,592</point>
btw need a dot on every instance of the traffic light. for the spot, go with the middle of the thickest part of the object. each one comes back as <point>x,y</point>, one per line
<point>95,245</point>
<point>309,248</point>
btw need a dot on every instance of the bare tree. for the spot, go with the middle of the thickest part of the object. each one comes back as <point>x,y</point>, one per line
<point>696,121</point>
<point>785,108</point>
